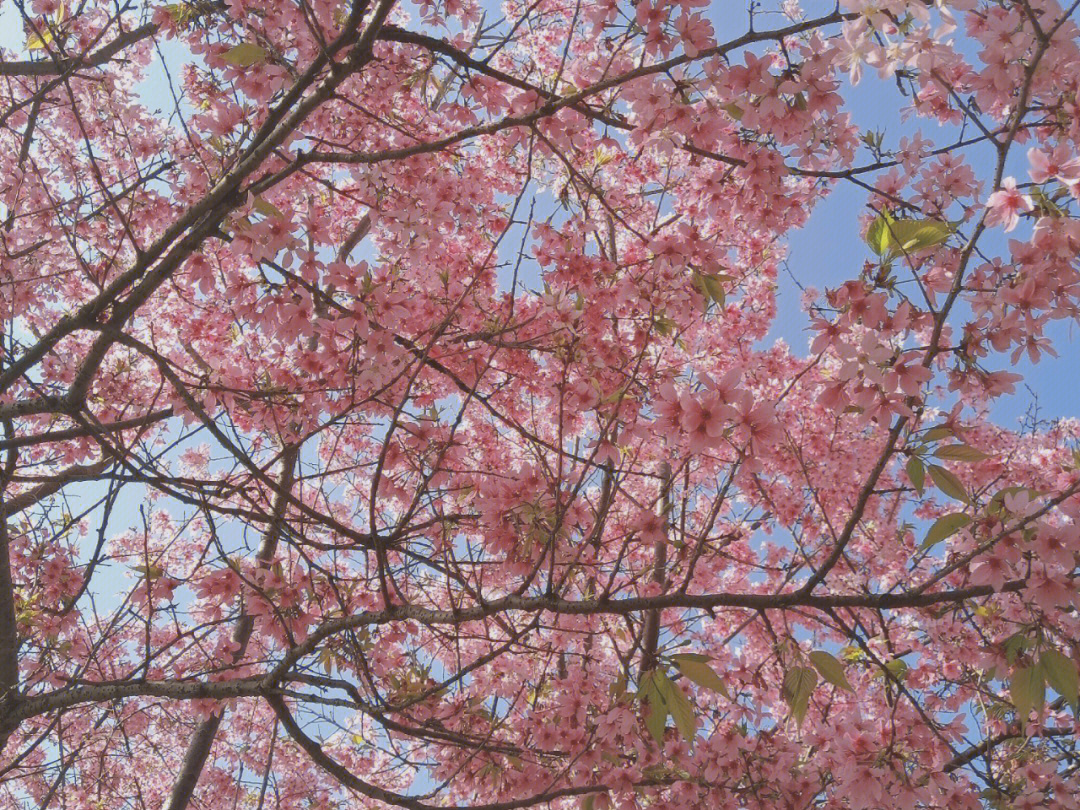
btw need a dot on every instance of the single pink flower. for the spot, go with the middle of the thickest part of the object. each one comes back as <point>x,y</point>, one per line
<point>1006,204</point>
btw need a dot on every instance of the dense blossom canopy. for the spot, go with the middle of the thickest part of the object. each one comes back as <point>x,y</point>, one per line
<point>392,413</point>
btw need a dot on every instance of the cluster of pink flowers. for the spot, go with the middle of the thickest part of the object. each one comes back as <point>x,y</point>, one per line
<point>402,413</point>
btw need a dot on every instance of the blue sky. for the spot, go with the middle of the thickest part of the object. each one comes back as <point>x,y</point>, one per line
<point>829,249</point>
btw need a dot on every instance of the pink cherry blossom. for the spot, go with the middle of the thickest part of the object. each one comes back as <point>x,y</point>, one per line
<point>538,405</point>
<point>1005,205</point>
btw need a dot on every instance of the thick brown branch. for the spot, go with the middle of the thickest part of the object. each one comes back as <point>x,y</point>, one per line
<point>82,432</point>
<point>57,67</point>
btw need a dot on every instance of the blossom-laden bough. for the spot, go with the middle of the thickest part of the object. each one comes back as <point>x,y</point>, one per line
<point>391,415</point>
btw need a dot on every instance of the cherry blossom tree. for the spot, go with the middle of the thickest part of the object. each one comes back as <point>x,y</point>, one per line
<point>392,413</point>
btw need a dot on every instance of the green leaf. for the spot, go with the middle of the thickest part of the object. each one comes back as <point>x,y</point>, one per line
<point>944,527</point>
<point>799,683</point>
<point>877,236</point>
<point>997,503</point>
<point>889,237</point>
<point>267,209</point>
<point>589,802</point>
<point>1028,691</point>
<point>245,54</point>
<point>182,14</point>
<point>937,433</point>
<point>897,668</point>
<point>695,667</point>
<point>664,325</point>
<point>677,704</point>
<point>948,483</point>
<point>654,707</point>
<point>710,287</point>
<point>617,690</point>
<point>602,156</point>
<point>916,471</point>
<point>960,452</point>
<point>852,653</point>
<point>911,235</point>
<point>732,109</point>
<point>831,669</point>
<point>1016,644</point>
<point>36,42</point>
<point>1045,205</point>
<point>1061,674</point>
